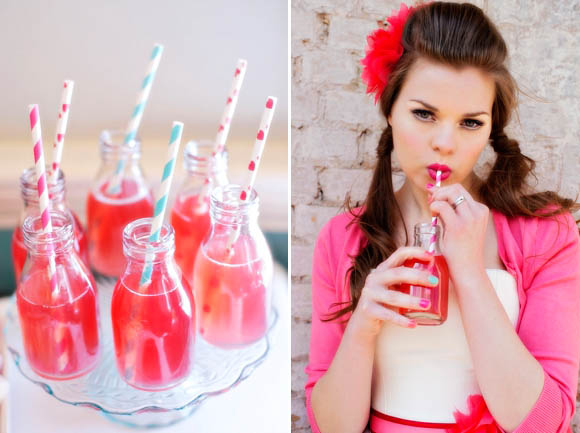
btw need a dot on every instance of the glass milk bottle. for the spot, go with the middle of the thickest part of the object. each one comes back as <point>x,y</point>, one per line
<point>425,234</point>
<point>153,322</point>
<point>108,210</point>
<point>232,275</point>
<point>190,211</point>
<point>57,194</point>
<point>59,321</point>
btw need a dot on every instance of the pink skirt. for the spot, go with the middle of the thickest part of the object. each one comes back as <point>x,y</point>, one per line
<point>382,423</point>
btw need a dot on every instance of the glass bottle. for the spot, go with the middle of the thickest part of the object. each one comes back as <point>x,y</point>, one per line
<point>60,329</point>
<point>233,270</point>
<point>57,194</point>
<point>109,212</point>
<point>190,211</point>
<point>153,323</point>
<point>438,295</point>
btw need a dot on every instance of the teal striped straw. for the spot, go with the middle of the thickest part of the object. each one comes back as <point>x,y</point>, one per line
<point>161,205</point>
<point>135,121</point>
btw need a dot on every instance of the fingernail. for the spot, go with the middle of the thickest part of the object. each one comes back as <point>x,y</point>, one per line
<point>429,199</point>
<point>433,279</point>
<point>429,253</point>
<point>424,303</point>
<point>412,324</point>
<point>430,185</point>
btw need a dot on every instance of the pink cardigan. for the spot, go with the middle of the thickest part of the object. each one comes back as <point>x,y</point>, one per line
<point>544,257</point>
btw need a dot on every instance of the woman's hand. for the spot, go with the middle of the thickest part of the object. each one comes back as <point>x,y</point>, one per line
<point>465,223</point>
<point>380,299</point>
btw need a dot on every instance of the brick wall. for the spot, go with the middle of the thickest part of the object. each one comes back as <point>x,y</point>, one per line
<point>335,126</point>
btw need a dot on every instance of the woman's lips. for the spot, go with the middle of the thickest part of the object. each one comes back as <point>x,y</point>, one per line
<point>444,174</point>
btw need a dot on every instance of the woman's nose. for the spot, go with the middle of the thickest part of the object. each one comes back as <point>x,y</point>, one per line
<point>444,140</point>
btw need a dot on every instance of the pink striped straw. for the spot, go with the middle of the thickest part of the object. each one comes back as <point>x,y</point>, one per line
<point>434,220</point>
<point>61,122</point>
<point>43,200</point>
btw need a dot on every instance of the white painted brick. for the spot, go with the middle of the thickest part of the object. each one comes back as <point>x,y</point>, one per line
<point>304,29</point>
<point>325,146</point>
<point>350,107</point>
<point>304,184</point>
<point>305,103</point>
<point>335,183</point>
<point>299,418</point>
<point>349,33</point>
<point>308,220</point>
<point>302,301</point>
<point>300,339</point>
<point>302,260</point>
<point>330,66</point>
<point>335,7</point>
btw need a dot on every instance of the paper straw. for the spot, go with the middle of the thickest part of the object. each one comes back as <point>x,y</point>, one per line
<point>61,123</point>
<point>231,103</point>
<point>43,199</point>
<point>225,122</point>
<point>434,220</point>
<point>161,205</point>
<point>135,121</point>
<point>259,145</point>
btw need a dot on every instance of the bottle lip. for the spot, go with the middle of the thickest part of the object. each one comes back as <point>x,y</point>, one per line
<point>29,185</point>
<point>59,239</point>
<point>226,200</point>
<point>112,145</point>
<point>136,240</point>
<point>427,229</point>
<point>199,154</point>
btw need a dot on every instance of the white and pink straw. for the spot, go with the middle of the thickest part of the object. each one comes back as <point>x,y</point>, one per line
<point>434,220</point>
<point>61,123</point>
<point>257,152</point>
<point>43,199</point>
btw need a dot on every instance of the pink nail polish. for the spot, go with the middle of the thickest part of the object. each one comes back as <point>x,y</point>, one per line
<point>412,324</point>
<point>424,303</point>
<point>430,185</point>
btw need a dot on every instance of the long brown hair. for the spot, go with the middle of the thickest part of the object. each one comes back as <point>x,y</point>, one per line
<point>456,35</point>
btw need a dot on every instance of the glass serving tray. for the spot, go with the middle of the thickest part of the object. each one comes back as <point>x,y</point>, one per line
<point>215,371</point>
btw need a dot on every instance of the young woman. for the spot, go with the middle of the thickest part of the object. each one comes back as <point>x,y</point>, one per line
<point>507,357</point>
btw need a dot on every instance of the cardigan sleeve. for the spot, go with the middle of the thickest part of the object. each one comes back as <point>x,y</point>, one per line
<point>550,323</point>
<point>325,336</point>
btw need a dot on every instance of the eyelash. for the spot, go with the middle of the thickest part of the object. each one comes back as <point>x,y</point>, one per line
<point>418,113</point>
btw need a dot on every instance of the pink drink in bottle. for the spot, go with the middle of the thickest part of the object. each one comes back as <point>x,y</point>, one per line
<point>109,212</point>
<point>233,289</point>
<point>190,211</point>
<point>438,295</point>
<point>57,194</point>
<point>60,330</point>
<point>154,325</point>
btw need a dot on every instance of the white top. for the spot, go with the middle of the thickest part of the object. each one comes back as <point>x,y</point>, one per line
<point>426,373</point>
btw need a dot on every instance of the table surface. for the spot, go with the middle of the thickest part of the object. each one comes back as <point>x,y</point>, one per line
<point>259,404</point>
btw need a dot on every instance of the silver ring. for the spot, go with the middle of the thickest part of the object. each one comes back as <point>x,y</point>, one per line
<point>457,202</point>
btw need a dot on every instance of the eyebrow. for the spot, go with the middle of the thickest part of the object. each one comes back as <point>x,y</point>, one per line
<point>432,108</point>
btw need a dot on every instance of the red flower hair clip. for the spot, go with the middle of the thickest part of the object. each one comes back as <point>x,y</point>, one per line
<point>384,50</point>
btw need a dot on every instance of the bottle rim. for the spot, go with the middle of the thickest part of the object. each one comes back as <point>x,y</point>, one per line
<point>225,201</point>
<point>198,156</point>
<point>113,146</point>
<point>136,245</point>
<point>29,185</point>
<point>56,241</point>
<point>427,229</point>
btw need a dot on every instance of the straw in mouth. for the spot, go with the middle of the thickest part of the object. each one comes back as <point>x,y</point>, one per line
<point>434,220</point>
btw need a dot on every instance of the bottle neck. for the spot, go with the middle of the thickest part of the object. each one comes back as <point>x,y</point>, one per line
<point>59,241</point>
<point>226,208</point>
<point>114,148</point>
<point>29,189</point>
<point>202,163</point>
<point>139,249</point>
<point>427,236</point>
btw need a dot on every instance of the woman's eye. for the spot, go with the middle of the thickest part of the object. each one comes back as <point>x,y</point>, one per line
<point>472,123</point>
<point>422,114</point>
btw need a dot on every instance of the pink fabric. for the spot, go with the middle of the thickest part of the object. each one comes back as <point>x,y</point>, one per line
<point>544,257</point>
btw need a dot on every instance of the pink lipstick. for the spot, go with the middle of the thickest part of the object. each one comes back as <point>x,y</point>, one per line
<point>445,171</point>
